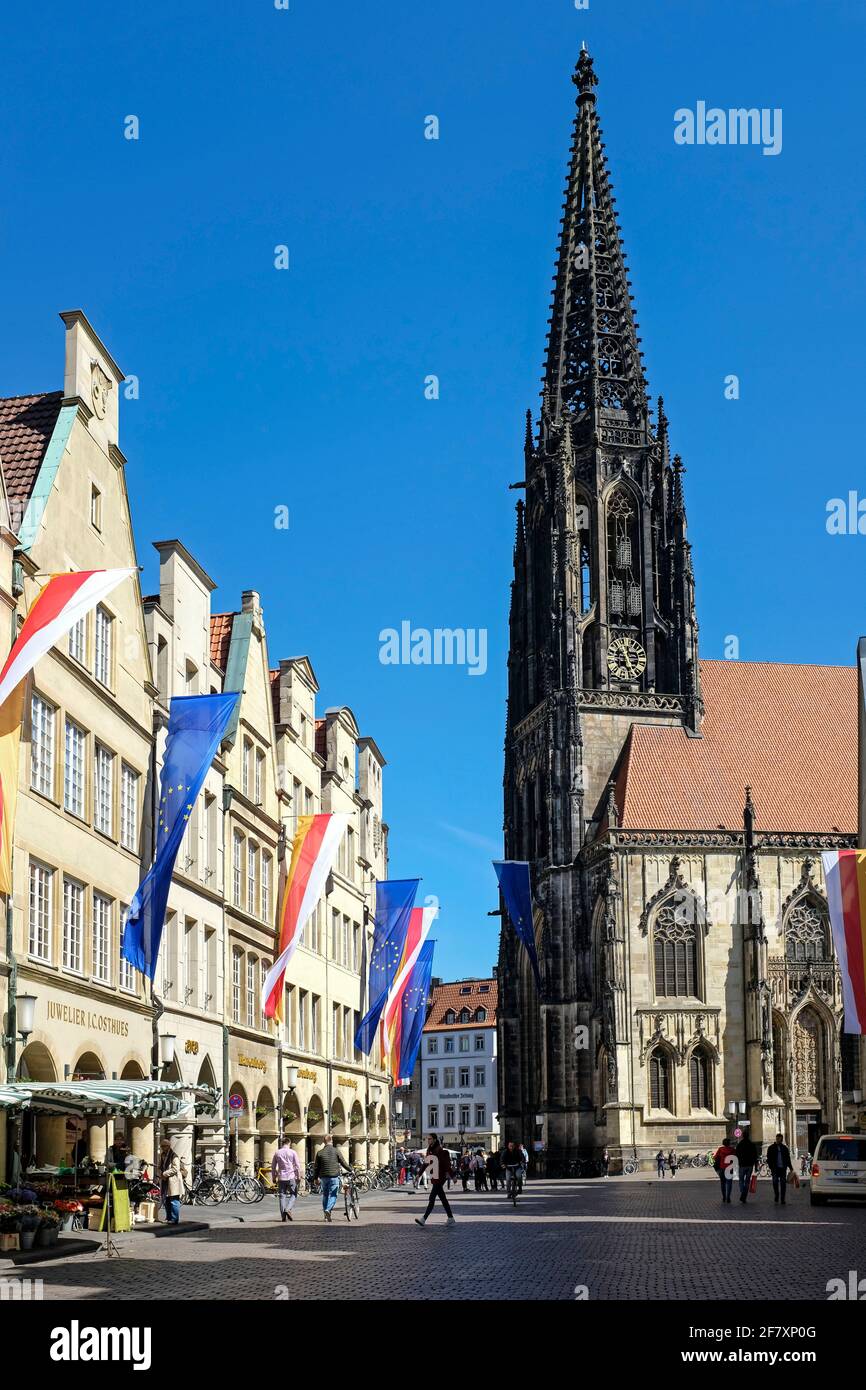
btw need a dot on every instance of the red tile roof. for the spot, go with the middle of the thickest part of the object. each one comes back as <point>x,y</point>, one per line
<point>220,638</point>
<point>26,426</point>
<point>482,994</point>
<point>789,732</point>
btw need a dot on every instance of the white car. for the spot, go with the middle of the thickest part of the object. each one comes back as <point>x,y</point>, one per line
<point>838,1168</point>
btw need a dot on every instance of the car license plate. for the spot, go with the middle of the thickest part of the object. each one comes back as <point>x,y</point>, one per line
<point>842,1173</point>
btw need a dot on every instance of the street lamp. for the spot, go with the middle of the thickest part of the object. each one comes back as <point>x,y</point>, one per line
<point>166,1048</point>
<point>21,1019</point>
<point>291,1077</point>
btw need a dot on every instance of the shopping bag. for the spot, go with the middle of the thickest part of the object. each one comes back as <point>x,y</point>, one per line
<point>795,1180</point>
<point>753,1185</point>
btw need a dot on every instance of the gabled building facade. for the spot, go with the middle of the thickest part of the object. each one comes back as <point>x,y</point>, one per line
<point>85,751</point>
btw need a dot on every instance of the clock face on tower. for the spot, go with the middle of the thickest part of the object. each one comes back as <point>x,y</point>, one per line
<point>626,658</point>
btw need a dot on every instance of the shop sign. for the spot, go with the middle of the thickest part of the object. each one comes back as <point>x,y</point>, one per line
<point>256,1063</point>
<point>87,1018</point>
<point>351,1081</point>
<point>307,1073</point>
<point>190,1047</point>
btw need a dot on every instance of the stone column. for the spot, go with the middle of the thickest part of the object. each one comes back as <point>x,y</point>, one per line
<point>51,1140</point>
<point>99,1134</point>
<point>141,1137</point>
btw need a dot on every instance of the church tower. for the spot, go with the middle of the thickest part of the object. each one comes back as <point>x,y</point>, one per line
<point>603,630</point>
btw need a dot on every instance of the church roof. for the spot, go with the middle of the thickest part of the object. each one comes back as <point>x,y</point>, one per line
<point>789,732</point>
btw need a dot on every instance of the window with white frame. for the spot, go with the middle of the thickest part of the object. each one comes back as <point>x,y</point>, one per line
<point>41,746</point>
<point>103,770</point>
<point>260,777</point>
<point>73,769</point>
<point>78,641</point>
<point>236,984</point>
<point>347,1037</point>
<point>432,1046</point>
<point>433,1116</point>
<point>302,1020</point>
<point>449,1116</point>
<point>263,975</point>
<point>101,944</point>
<point>335,934</point>
<point>464,1043</point>
<point>266,888</point>
<point>245,766</point>
<point>315,1022</point>
<point>252,962</point>
<point>479,1042</point>
<point>433,1078</point>
<point>345,956</point>
<point>252,875</point>
<point>448,1044</point>
<point>125,970</point>
<point>210,837</point>
<point>210,968</point>
<point>290,1015</point>
<point>102,646</point>
<point>41,909</point>
<point>128,807</point>
<point>464,1077</point>
<point>73,918</point>
<point>480,1116</point>
<point>356,948</point>
<point>480,1076</point>
<point>336,1042</point>
<point>448,1078</point>
<point>237,867</point>
<point>464,1115</point>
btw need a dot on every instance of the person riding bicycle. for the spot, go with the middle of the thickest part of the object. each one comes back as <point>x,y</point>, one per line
<point>512,1162</point>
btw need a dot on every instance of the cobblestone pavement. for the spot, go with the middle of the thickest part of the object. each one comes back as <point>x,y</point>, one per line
<point>621,1239</point>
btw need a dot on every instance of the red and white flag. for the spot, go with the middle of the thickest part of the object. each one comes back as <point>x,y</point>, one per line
<point>421,920</point>
<point>63,601</point>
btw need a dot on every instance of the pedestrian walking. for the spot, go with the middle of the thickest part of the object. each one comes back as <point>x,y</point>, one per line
<point>327,1169</point>
<point>779,1160</point>
<point>605,1163</point>
<point>725,1162</point>
<point>673,1162</point>
<point>747,1158</point>
<point>525,1156</point>
<point>286,1173</point>
<point>439,1166</point>
<point>465,1169</point>
<point>492,1166</point>
<point>660,1164</point>
<point>170,1181</point>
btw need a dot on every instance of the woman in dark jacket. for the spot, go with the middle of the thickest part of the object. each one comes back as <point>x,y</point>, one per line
<point>439,1164</point>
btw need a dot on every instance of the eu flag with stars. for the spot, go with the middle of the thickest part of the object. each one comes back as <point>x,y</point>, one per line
<point>516,889</point>
<point>414,1006</point>
<point>395,899</point>
<point>196,726</point>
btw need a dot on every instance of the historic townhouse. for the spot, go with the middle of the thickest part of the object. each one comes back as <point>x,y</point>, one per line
<point>85,750</point>
<point>686,958</point>
<point>251,846</point>
<point>190,976</point>
<point>459,1099</point>
<point>325,765</point>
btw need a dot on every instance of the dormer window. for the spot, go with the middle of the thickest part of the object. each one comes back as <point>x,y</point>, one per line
<point>480,1015</point>
<point>450,1016</point>
<point>464,1015</point>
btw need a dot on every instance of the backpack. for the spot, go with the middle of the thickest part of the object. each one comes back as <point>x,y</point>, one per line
<point>444,1164</point>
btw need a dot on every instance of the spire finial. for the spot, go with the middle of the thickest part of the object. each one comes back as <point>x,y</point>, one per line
<point>584,77</point>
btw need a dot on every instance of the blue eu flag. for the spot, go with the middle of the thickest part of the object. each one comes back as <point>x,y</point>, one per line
<point>514,883</point>
<point>395,899</point>
<point>196,725</point>
<point>414,1007</point>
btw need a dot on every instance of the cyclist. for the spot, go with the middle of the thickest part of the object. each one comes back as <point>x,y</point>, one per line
<point>512,1162</point>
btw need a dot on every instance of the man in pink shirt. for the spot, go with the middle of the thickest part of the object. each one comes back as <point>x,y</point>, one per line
<point>286,1173</point>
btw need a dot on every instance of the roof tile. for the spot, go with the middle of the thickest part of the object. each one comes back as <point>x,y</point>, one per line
<point>481,994</point>
<point>220,638</point>
<point>26,426</point>
<point>789,732</point>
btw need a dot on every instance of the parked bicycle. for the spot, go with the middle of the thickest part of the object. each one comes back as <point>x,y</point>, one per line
<point>205,1189</point>
<point>241,1185</point>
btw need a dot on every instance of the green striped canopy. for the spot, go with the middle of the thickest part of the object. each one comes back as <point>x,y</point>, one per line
<point>154,1099</point>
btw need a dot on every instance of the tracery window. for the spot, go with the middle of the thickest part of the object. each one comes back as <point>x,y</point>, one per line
<point>675,949</point>
<point>806,932</point>
<point>660,1080</point>
<point>700,1077</point>
<point>623,556</point>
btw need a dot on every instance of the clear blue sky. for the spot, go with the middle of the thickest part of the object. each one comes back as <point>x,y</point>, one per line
<point>305,388</point>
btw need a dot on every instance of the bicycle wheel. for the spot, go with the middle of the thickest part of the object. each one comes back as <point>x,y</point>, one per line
<point>249,1190</point>
<point>355,1203</point>
<point>210,1192</point>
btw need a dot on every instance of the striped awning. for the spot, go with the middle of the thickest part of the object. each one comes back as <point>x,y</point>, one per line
<point>153,1099</point>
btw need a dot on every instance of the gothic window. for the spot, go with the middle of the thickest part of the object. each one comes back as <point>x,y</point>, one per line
<point>610,357</point>
<point>700,1077</point>
<point>806,932</point>
<point>585,579</point>
<point>660,1080</point>
<point>604,296</point>
<point>623,551</point>
<point>675,947</point>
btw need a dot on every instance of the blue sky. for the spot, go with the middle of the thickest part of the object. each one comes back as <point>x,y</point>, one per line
<point>305,388</point>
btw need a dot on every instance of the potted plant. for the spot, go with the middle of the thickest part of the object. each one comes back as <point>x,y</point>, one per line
<point>49,1227</point>
<point>29,1217</point>
<point>67,1211</point>
<point>8,1226</point>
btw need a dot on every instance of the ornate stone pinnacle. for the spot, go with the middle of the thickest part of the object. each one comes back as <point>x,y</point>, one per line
<point>584,77</point>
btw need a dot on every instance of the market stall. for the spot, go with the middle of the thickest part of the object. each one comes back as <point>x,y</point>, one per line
<point>44,1199</point>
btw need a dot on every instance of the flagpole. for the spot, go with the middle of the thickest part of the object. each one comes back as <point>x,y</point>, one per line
<point>861,744</point>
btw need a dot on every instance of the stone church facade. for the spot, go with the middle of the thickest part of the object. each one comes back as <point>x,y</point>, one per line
<point>673,809</point>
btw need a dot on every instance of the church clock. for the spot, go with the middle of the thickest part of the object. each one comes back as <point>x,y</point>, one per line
<point>626,658</point>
